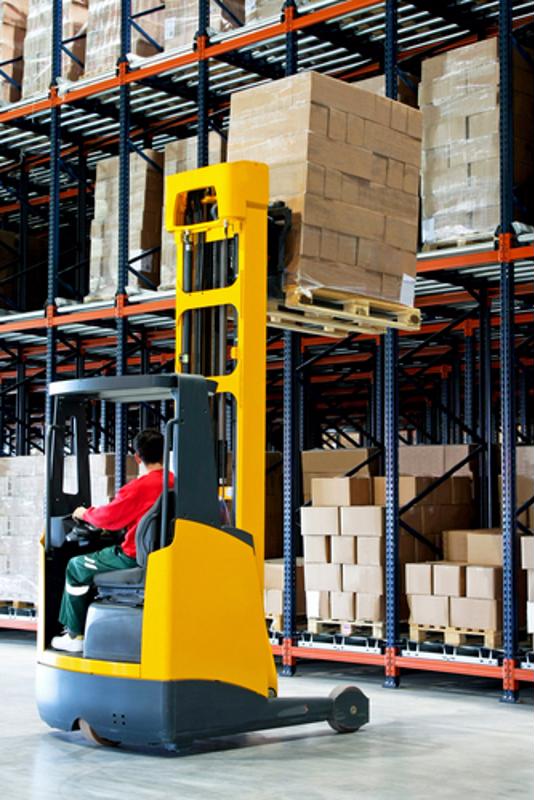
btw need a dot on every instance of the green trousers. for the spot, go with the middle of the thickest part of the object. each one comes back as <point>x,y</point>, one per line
<point>79,579</point>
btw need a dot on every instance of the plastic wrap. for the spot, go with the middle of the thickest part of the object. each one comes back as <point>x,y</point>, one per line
<point>347,162</point>
<point>459,98</point>
<point>181,20</point>
<point>37,44</point>
<point>12,31</point>
<point>146,193</point>
<point>181,156</point>
<point>104,33</point>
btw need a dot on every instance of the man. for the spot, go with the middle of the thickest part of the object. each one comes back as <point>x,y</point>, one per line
<point>125,511</point>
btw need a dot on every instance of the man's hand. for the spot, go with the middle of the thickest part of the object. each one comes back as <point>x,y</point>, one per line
<point>79,512</point>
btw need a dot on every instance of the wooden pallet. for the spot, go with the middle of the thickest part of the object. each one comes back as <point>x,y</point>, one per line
<point>326,312</point>
<point>461,241</point>
<point>365,628</point>
<point>455,636</point>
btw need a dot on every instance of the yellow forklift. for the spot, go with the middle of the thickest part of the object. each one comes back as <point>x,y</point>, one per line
<point>176,649</point>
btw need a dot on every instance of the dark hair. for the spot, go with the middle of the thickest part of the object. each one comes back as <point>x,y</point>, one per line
<point>148,445</point>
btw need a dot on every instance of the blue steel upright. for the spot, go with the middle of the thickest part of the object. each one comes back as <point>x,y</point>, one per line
<point>53,223</point>
<point>124,241</point>
<point>391,413</point>
<point>203,86</point>
<point>508,406</point>
<point>291,431</point>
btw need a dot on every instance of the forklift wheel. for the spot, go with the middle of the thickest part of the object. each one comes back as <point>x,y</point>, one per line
<point>92,736</point>
<point>350,709</point>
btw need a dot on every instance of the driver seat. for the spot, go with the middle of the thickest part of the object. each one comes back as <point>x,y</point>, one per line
<point>124,582</point>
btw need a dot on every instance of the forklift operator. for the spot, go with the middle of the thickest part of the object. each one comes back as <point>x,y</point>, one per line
<point>125,511</point>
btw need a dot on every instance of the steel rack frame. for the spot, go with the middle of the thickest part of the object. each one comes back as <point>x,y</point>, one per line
<point>319,390</point>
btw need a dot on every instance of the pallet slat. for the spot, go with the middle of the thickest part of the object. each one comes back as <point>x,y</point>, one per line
<point>347,628</point>
<point>455,636</point>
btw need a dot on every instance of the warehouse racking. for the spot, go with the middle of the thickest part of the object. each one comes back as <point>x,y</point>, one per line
<point>352,388</point>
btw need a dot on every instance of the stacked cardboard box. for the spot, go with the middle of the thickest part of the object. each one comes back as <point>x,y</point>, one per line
<point>464,591</point>
<point>527,563</point>
<point>12,31</point>
<point>146,193</point>
<point>181,156</point>
<point>434,459</point>
<point>37,44</point>
<point>22,492</point>
<point>256,10</point>
<point>407,88</point>
<point>274,587</point>
<point>347,162</point>
<point>344,545</point>
<point>459,99</point>
<point>181,20</point>
<point>334,463</point>
<point>104,33</point>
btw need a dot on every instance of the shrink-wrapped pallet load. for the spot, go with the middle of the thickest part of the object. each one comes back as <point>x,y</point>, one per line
<point>346,161</point>
<point>146,193</point>
<point>181,156</point>
<point>12,31</point>
<point>181,20</point>
<point>38,44</point>
<point>460,102</point>
<point>104,33</point>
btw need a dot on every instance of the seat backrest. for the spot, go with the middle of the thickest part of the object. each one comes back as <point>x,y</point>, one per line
<point>147,535</point>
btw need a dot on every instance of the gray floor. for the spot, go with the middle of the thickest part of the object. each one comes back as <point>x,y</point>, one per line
<point>432,738</point>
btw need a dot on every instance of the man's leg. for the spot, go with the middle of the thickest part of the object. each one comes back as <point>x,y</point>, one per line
<point>80,573</point>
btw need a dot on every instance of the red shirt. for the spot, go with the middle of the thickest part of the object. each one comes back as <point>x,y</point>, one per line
<point>128,507</point>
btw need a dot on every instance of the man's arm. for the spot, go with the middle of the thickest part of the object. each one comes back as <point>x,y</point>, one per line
<point>114,516</point>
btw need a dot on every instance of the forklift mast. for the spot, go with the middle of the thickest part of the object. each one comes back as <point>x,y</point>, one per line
<point>218,215</point>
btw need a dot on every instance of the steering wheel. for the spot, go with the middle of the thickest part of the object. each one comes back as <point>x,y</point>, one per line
<point>82,531</point>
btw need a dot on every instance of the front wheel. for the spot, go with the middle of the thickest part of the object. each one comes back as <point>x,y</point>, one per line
<point>92,736</point>
<point>350,709</point>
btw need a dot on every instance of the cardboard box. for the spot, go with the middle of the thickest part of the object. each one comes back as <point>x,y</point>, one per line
<point>530,585</point>
<point>409,487</point>
<point>484,583</point>
<point>344,550</point>
<point>467,612</point>
<point>336,462</point>
<point>322,577</point>
<point>455,542</point>
<point>317,549</point>
<point>274,601</point>
<point>484,549</point>
<point>362,521</point>
<point>449,579</point>
<point>273,571</point>
<point>369,607</point>
<point>319,521</point>
<point>371,550</point>
<point>360,578</point>
<point>342,606</point>
<point>317,604</point>
<point>527,552</point>
<point>341,491</point>
<point>429,609</point>
<point>530,617</point>
<point>419,579</point>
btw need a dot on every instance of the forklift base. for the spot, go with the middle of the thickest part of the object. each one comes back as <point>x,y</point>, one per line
<point>175,713</point>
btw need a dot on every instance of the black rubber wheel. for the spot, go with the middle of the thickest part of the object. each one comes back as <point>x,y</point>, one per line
<point>92,736</point>
<point>350,709</point>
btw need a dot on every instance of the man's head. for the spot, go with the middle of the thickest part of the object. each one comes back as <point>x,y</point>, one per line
<point>148,447</point>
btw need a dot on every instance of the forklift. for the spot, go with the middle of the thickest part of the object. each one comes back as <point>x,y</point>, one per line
<point>176,649</point>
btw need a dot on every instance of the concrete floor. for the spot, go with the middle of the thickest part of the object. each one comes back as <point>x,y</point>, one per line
<point>435,737</point>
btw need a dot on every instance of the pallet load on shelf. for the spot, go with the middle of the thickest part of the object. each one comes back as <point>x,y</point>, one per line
<point>12,31</point>
<point>256,10</point>
<point>346,161</point>
<point>146,193</point>
<point>459,100</point>
<point>527,563</point>
<point>273,599</point>
<point>344,544</point>
<point>460,597</point>
<point>38,48</point>
<point>335,463</point>
<point>104,33</point>
<point>181,20</point>
<point>181,156</point>
<point>22,493</point>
